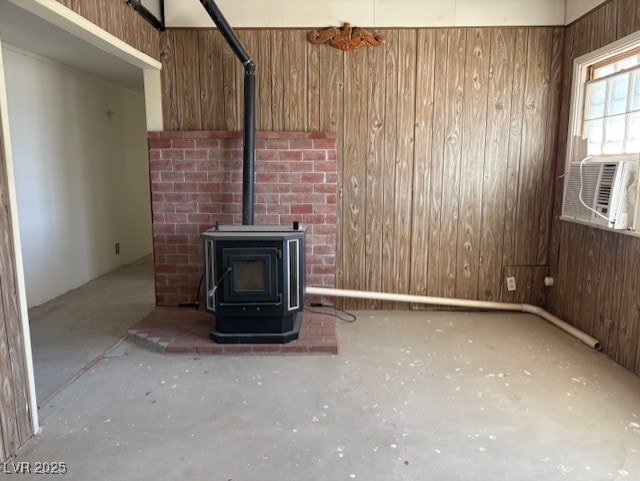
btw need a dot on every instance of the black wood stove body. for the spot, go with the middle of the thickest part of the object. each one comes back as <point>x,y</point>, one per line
<point>254,278</point>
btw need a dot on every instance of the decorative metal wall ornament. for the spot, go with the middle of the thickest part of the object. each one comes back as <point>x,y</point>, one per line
<point>346,38</point>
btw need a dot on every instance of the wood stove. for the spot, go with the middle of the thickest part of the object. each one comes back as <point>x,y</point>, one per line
<point>254,278</point>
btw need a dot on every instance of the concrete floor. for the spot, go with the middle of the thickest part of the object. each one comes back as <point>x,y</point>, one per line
<point>411,396</point>
<point>70,331</point>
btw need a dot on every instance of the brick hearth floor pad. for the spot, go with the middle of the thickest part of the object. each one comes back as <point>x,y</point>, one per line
<point>175,330</point>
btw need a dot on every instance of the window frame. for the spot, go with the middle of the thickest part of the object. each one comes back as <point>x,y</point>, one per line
<point>576,144</point>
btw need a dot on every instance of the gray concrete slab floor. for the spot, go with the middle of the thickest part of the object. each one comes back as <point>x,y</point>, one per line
<point>70,331</point>
<point>411,396</point>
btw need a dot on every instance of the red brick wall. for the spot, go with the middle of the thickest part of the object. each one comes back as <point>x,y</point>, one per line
<point>196,181</point>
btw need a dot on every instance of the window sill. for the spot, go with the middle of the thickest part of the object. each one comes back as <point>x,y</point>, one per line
<point>632,233</point>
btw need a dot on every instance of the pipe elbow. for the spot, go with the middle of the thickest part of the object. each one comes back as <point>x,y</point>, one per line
<point>249,66</point>
<point>531,309</point>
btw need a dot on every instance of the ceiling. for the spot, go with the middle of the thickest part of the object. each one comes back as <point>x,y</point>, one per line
<point>380,13</point>
<point>28,32</point>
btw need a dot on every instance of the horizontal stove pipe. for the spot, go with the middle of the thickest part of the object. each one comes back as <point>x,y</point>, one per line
<point>248,151</point>
<point>463,303</point>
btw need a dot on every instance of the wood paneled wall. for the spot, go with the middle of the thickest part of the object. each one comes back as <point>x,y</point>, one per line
<point>120,20</point>
<point>15,418</point>
<point>446,143</point>
<point>597,272</point>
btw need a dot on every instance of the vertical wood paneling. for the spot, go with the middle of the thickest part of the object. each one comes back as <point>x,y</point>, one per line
<point>375,167</point>
<point>558,228</point>
<point>534,133</point>
<point>434,274</point>
<point>558,294</point>
<point>148,39</point>
<point>422,165</point>
<point>627,17</point>
<point>474,128</point>
<point>9,439</point>
<point>332,120</point>
<point>538,290</point>
<point>313,87</point>
<point>404,158</point>
<point>389,171</point>
<point>589,277</point>
<point>295,87</point>
<point>264,76</point>
<point>188,80</point>
<point>573,274</point>
<point>232,118</point>
<point>278,80</point>
<point>104,17</point>
<point>608,291</point>
<point>495,173</point>
<point>515,142</point>
<point>15,423</point>
<point>8,425</point>
<point>211,82</point>
<point>129,30</point>
<point>452,159</point>
<point>550,148</point>
<point>169,82</point>
<point>628,336</point>
<point>355,175</point>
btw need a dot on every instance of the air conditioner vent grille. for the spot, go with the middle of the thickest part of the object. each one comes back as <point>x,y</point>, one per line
<point>606,184</point>
<point>572,205</point>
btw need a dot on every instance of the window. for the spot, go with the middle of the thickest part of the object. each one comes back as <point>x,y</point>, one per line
<point>611,120</point>
<point>604,133</point>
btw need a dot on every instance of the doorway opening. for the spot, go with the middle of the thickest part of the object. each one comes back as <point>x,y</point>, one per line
<point>78,120</point>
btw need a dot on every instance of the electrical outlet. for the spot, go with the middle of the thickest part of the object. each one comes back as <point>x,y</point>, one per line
<point>117,248</point>
<point>511,284</point>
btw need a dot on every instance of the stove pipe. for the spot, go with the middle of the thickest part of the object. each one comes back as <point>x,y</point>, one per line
<point>248,151</point>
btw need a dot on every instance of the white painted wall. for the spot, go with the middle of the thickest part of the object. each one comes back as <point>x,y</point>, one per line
<point>577,8</point>
<point>370,13</point>
<point>81,173</point>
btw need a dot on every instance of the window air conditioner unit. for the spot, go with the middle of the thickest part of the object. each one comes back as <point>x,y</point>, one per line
<point>602,193</point>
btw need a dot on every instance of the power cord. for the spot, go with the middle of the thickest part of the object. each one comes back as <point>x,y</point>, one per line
<point>587,158</point>
<point>348,316</point>
<point>196,304</point>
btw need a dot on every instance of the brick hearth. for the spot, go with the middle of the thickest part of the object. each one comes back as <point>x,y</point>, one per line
<point>174,330</point>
